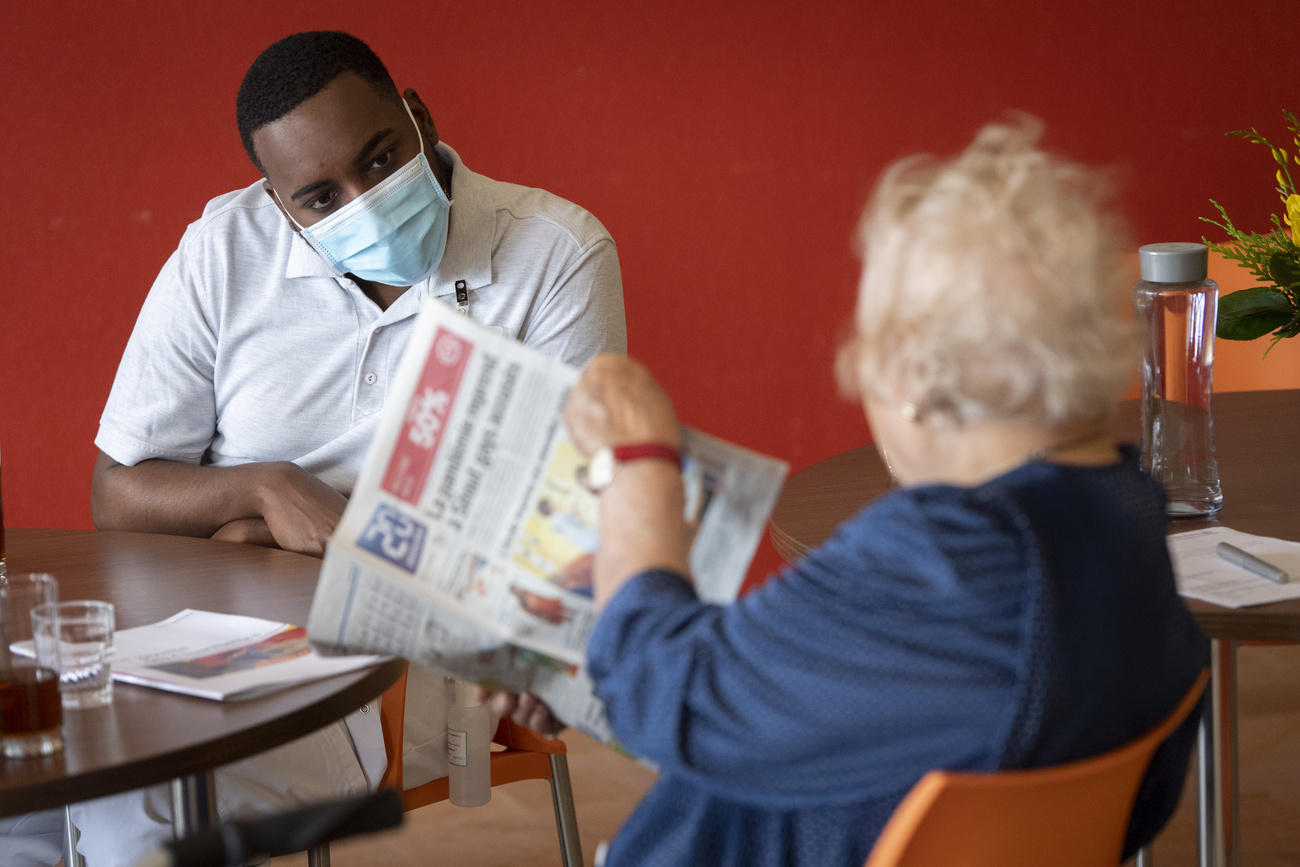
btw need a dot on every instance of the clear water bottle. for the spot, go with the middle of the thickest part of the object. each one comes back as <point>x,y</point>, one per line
<point>1178,306</point>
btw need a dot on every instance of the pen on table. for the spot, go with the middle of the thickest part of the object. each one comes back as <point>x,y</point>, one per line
<point>1251,563</point>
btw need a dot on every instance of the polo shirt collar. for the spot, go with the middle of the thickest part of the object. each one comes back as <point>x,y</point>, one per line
<point>304,261</point>
<point>468,254</point>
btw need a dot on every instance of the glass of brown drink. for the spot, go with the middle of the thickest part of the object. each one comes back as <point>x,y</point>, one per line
<point>2,535</point>
<point>31,712</point>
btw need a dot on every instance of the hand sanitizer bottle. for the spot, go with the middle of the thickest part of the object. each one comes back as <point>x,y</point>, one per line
<point>469,738</point>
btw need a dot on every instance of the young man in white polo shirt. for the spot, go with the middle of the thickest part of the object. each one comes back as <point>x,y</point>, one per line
<point>257,370</point>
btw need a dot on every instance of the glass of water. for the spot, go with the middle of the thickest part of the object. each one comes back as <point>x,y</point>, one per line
<point>76,640</point>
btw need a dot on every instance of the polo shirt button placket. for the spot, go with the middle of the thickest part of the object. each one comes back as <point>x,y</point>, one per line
<point>371,378</point>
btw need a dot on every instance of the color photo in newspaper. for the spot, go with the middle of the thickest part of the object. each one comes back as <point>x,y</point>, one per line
<point>469,540</point>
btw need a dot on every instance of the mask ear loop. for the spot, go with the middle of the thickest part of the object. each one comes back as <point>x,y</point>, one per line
<point>299,226</point>
<point>418,134</point>
<point>462,292</point>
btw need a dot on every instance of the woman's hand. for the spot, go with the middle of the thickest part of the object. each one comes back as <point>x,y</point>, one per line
<point>525,709</point>
<point>617,401</point>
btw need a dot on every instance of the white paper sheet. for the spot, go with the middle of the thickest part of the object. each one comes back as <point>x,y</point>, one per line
<point>1202,574</point>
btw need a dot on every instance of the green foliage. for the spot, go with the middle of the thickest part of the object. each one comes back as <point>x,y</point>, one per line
<point>1273,257</point>
<point>1252,313</point>
<point>1252,250</point>
<point>1284,268</point>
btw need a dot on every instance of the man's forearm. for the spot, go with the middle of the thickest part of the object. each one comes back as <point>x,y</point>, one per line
<point>159,496</point>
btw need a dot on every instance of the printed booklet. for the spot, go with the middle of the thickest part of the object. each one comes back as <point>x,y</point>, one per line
<point>223,657</point>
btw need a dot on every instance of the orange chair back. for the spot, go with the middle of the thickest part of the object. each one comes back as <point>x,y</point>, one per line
<point>392,724</point>
<point>1071,815</point>
<point>527,755</point>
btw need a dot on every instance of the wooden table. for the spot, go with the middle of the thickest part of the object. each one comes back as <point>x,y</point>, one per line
<point>1256,438</point>
<point>147,736</point>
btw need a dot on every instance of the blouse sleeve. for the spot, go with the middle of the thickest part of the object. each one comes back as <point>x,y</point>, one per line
<point>880,656</point>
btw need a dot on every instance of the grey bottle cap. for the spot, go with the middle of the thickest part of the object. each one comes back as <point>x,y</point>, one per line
<point>1177,262</point>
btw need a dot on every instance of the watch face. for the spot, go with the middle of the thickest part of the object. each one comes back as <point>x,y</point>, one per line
<point>601,471</point>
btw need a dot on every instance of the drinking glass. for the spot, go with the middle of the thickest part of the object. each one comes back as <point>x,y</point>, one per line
<point>30,711</point>
<point>76,640</point>
<point>2,534</point>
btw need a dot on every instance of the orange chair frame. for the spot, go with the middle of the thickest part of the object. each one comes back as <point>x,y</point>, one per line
<point>1072,815</point>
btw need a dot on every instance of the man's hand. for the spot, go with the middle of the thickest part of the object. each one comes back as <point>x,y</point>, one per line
<point>300,510</point>
<point>274,504</point>
<point>525,709</point>
<point>617,401</point>
<point>249,531</point>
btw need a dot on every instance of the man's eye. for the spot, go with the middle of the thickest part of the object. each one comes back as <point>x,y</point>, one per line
<point>382,160</point>
<point>323,201</point>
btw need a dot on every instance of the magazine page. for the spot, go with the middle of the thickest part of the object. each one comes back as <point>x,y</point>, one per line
<point>469,539</point>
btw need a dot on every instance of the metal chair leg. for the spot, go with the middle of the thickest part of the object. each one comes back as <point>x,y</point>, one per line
<point>71,857</point>
<point>1211,784</point>
<point>194,804</point>
<point>1226,705</point>
<point>319,856</point>
<point>566,817</point>
<point>1144,858</point>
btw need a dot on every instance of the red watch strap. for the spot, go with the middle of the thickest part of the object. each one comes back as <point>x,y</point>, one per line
<point>633,451</point>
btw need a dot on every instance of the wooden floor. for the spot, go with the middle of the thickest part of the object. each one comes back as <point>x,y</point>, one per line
<point>518,828</point>
<point>1269,742</point>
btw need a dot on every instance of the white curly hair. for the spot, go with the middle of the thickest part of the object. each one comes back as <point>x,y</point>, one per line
<point>992,287</point>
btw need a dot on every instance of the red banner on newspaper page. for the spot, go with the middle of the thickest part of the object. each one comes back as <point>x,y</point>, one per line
<point>426,417</point>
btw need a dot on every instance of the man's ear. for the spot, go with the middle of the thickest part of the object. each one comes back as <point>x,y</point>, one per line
<point>422,116</point>
<point>270,192</point>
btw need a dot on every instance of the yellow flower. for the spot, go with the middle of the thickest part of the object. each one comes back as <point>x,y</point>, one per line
<point>1292,217</point>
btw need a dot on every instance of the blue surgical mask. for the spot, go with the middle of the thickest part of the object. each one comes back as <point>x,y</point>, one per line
<point>394,233</point>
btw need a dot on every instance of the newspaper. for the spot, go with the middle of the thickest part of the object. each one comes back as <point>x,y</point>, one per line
<point>468,541</point>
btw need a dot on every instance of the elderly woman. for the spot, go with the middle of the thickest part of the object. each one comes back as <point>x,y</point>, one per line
<point>1010,604</point>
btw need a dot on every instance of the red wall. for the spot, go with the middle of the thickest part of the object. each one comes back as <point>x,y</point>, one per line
<point>727,146</point>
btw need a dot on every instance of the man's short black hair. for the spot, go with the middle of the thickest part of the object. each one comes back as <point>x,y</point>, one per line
<point>297,68</point>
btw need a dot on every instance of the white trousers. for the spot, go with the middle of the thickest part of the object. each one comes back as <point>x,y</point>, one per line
<point>342,759</point>
<point>33,840</point>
